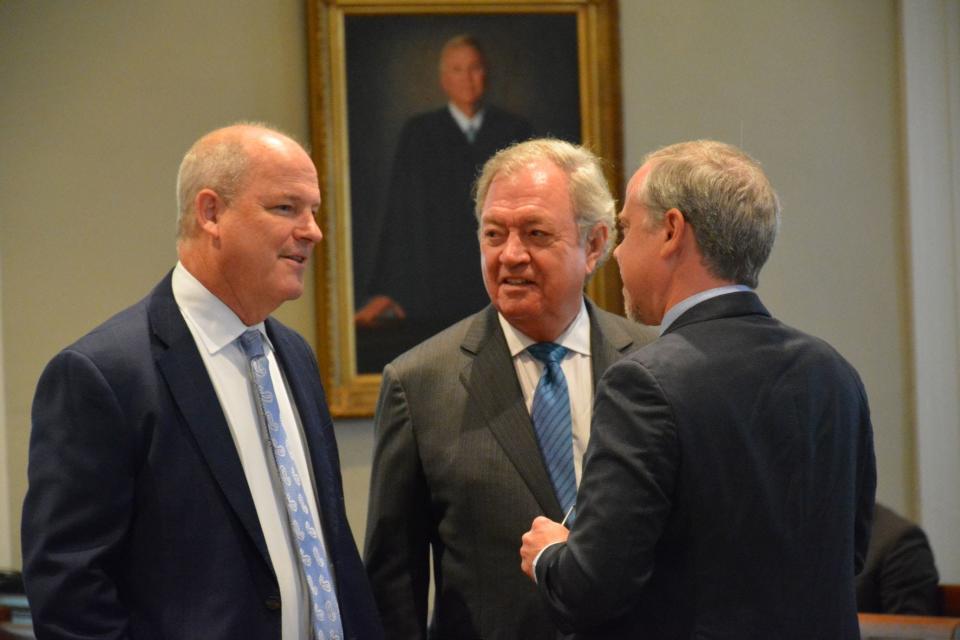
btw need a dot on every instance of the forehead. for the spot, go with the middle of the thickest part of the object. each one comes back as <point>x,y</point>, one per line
<point>290,170</point>
<point>538,191</point>
<point>460,54</point>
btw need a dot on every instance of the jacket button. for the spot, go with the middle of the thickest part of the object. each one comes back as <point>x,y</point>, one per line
<point>272,603</point>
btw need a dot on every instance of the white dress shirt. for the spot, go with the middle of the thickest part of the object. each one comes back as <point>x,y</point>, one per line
<point>576,367</point>
<point>215,329</point>
<point>469,125</point>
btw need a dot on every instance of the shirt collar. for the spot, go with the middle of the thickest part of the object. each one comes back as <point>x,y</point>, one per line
<point>463,120</point>
<point>576,337</point>
<point>216,324</point>
<point>678,309</point>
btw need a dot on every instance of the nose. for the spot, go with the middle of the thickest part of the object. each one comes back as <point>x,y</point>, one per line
<point>309,229</point>
<point>514,251</point>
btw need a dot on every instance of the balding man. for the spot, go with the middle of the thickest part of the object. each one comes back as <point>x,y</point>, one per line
<point>183,475</point>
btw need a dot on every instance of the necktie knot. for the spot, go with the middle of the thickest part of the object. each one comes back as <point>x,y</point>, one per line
<point>252,343</point>
<point>549,353</point>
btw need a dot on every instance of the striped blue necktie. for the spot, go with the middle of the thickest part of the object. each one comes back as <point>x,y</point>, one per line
<point>303,526</point>
<point>551,421</point>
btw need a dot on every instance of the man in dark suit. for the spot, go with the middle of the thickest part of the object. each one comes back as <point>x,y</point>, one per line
<point>429,216</point>
<point>729,484</point>
<point>899,575</point>
<point>459,467</point>
<point>162,475</point>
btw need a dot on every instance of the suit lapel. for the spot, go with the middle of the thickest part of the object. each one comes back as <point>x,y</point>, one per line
<point>186,376</point>
<point>491,382</point>
<point>302,378</point>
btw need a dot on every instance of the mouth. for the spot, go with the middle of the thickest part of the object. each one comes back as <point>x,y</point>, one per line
<point>516,282</point>
<point>295,258</point>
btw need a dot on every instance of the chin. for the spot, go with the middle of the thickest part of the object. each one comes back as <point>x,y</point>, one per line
<point>292,291</point>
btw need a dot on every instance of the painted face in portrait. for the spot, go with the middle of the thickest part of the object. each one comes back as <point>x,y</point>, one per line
<point>534,266</point>
<point>463,77</point>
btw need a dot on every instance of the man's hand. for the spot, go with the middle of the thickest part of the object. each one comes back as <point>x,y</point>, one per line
<point>378,311</point>
<point>543,532</point>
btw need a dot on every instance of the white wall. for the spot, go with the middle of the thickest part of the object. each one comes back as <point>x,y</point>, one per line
<point>6,543</point>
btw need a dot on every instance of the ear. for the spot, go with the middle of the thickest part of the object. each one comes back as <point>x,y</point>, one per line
<point>596,241</point>
<point>208,207</point>
<point>676,233</point>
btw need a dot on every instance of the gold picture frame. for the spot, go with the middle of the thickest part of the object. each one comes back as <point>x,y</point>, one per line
<point>584,30</point>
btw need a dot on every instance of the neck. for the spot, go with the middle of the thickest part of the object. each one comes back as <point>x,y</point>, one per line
<point>469,109</point>
<point>203,270</point>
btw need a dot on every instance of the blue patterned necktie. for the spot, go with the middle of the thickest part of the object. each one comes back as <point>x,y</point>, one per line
<point>551,420</point>
<point>303,526</point>
<point>471,133</point>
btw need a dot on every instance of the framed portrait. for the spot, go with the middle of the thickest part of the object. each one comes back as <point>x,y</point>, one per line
<point>408,99</point>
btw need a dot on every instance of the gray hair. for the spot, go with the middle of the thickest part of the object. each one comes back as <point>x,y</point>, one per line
<point>590,196</point>
<point>462,40</point>
<point>724,195</point>
<point>218,161</point>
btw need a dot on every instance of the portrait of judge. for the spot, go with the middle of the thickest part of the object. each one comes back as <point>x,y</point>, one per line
<point>429,99</point>
<point>436,161</point>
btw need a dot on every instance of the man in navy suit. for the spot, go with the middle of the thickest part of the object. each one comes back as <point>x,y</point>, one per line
<point>429,215</point>
<point>156,507</point>
<point>729,482</point>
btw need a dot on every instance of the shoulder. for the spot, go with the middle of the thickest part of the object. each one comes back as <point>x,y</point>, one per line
<point>616,328</point>
<point>435,356</point>
<point>889,528</point>
<point>427,120</point>
<point>497,114</point>
<point>124,335</point>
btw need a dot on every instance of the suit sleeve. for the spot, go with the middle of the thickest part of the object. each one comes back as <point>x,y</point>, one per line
<point>398,521</point>
<point>78,504</point>
<point>624,500</point>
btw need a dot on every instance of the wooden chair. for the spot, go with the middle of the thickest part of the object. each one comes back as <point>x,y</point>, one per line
<point>877,626</point>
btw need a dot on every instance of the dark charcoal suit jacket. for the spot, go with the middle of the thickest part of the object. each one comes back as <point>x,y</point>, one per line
<point>457,470</point>
<point>138,522</point>
<point>899,575</point>
<point>727,491</point>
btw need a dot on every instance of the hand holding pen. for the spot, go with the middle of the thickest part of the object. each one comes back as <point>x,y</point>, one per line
<point>543,532</point>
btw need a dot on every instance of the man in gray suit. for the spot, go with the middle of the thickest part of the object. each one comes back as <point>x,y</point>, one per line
<point>458,466</point>
<point>729,484</point>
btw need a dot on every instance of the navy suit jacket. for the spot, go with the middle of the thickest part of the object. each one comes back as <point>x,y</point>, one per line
<point>138,522</point>
<point>727,491</point>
